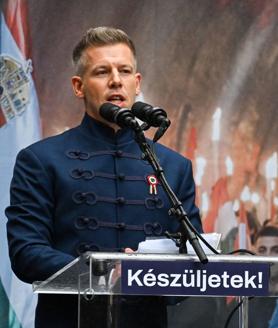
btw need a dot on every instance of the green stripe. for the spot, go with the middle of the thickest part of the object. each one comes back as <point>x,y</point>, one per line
<point>8,317</point>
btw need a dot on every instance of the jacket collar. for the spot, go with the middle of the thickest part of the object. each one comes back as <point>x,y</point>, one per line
<point>98,130</point>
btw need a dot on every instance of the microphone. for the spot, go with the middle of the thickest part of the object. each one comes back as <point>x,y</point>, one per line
<point>121,116</point>
<point>153,116</point>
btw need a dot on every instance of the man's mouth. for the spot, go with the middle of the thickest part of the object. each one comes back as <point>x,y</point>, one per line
<point>116,99</point>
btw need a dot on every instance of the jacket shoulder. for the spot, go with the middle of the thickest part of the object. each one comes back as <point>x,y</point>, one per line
<point>46,150</point>
<point>53,140</point>
<point>165,152</point>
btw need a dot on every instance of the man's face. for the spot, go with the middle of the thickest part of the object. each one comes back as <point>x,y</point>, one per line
<point>109,76</point>
<point>267,246</point>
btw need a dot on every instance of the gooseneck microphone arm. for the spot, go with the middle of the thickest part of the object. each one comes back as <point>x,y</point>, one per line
<point>124,117</point>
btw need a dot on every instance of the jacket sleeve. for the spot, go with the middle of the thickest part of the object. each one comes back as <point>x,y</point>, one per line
<point>31,221</point>
<point>186,195</point>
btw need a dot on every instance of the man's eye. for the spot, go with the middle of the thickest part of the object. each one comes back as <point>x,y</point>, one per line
<point>102,72</point>
<point>125,71</point>
<point>261,250</point>
<point>274,250</point>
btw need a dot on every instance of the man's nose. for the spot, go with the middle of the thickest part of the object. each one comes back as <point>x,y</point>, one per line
<point>268,253</point>
<point>115,79</point>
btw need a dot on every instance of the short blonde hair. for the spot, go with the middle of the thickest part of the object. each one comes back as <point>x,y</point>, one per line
<point>97,37</point>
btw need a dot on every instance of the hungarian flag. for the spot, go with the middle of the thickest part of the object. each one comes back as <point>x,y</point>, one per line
<point>19,127</point>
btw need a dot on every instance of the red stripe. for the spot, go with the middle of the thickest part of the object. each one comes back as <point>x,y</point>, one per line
<point>17,17</point>
<point>219,196</point>
<point>2,118</point>
<point>191,144</point>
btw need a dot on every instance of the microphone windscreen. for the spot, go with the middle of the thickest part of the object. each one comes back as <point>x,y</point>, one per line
<point>109,111</point>
<point>141,110</point>
<point>154,116</point>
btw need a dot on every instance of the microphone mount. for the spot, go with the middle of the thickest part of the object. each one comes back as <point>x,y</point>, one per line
<point>122,117</point>
<point>187,231</point>
<point>152,117</point>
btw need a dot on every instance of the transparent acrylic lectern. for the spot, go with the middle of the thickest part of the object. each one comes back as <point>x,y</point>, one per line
<point>98,275</point>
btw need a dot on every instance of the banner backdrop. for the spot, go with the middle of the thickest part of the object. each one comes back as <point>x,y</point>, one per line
<point>211,64</point>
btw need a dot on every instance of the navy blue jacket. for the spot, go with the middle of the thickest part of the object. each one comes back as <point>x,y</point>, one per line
<point>87,190</point>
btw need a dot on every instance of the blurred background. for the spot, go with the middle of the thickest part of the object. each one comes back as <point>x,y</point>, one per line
<point>211,64</point>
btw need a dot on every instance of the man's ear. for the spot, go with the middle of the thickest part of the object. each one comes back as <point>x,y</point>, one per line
<point>77,86</point>
<point>138,78</point>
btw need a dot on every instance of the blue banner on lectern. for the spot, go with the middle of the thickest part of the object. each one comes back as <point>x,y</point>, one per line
<point>194,278</point>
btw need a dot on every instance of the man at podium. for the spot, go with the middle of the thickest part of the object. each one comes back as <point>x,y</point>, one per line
<point>89,189</point>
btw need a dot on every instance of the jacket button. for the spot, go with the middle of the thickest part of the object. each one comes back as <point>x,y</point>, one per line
<point>120,200</point>
<point>86,220</point>
<point>121,176</point>
<point>119,153</point>
<point>121,226</point>
<point>86,248</point>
